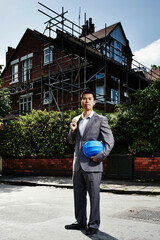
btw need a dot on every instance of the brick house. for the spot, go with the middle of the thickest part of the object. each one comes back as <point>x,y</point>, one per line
<point>154,74</point>
<point>49,73</point>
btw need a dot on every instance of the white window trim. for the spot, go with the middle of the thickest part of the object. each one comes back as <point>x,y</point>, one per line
<point>50,54</point>
<point>14,62</point>
<point>24,72</point>
<point>44,97</point>
<point>24,96</point>
<point>30,55</point>
<point>15,81</point>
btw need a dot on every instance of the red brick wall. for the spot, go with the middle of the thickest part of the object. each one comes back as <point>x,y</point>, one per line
<point>147,167</point>
<point>37,166</point>
<point>43,166</point>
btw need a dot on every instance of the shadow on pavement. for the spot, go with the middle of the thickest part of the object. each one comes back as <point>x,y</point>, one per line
<point>100,236</point>
<point>6,188</point>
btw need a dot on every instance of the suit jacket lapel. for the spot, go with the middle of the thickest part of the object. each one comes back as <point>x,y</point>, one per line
<point>89,124</point>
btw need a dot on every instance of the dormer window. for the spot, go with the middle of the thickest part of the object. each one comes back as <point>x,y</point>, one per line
<point>48,55</point>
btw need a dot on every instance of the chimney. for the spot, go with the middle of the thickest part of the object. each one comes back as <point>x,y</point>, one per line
<point>9,54</point>
<point>87,28</point>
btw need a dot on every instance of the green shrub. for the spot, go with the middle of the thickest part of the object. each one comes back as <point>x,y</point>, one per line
<point>37,134</point>
<point>136,126</point>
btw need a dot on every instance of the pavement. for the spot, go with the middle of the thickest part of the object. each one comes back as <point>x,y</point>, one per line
<point>107,185</point>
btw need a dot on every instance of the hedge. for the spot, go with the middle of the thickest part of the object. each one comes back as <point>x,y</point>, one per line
<point>37,134</point>
<point>135,126</point>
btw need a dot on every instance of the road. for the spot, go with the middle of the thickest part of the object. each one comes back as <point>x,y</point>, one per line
<point>28,213</point>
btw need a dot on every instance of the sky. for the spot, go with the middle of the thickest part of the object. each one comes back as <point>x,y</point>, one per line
<point>139,18</point>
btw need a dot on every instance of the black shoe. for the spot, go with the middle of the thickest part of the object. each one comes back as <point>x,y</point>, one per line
<point>75,226</point>
<point>91,231</point>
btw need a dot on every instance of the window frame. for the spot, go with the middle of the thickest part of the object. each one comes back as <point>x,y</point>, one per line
<point>27,110</point>
<point>48,57</point>
<point>115,93</point>
<point>27,73</point>
<point>101,89</point>
<point>15,74</point>
<point>47,100</point>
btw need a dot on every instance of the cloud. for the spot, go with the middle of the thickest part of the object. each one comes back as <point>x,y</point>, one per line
<point>150,55</point>
<point>2,62</point>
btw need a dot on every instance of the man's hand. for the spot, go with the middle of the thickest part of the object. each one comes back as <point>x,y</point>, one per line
<point>73,125</point>
<point>93,159</point>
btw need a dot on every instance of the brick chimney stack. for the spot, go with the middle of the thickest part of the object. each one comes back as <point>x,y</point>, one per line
<point>87,28</point>
<point>9,54</point>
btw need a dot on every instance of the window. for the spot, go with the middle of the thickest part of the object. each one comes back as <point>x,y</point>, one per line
<point>47,97</point>
<point>126,97</point>
<point>48,55</point>
<point>115,90</point>
<point>112,50</point>
<point>114,96</point>
<point>124,60</point>
<point>116,51</point>
<point>27,70</point>
<point>106,50</point>
<point>14,73</point>
<point>25,104</point>
<point>100,87</point>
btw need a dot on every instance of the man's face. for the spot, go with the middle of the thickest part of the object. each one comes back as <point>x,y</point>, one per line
<point>88,101</point>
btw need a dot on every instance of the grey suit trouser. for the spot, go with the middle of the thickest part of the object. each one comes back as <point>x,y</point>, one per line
<point>84,182</point>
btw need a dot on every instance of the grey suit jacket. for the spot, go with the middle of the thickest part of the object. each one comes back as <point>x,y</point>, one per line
<point>96,129</point>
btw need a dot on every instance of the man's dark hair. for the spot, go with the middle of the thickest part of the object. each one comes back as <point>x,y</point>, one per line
<point>90,92</point>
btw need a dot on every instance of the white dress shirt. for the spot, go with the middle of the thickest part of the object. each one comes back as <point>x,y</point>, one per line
<point>83,122</point>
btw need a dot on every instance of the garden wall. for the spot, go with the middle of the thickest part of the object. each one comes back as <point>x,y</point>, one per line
<point>37,166</point>
<point>142,167</point>
<point>147,168</point>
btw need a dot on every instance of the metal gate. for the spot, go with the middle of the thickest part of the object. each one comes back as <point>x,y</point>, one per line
<point>119,166</point>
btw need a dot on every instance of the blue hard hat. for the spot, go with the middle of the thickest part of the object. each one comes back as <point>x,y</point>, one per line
<point>92,148</point>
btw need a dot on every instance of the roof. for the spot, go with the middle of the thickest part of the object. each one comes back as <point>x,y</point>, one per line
<point>35,34</point>
<point>101,33</point>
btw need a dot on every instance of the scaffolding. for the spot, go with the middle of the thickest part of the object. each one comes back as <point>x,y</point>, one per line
<point>74,80</point>
<point>59,21</point>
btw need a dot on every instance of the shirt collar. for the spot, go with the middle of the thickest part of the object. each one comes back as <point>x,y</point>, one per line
<point>90,115</point>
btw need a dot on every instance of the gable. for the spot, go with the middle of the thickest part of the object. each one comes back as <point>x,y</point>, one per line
<point>31,41</point>
<point>118,35</point>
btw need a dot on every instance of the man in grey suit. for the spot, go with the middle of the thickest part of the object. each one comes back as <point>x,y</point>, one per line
<point>87,172</point>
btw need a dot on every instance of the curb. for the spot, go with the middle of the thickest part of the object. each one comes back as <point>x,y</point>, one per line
<point>70,186</point>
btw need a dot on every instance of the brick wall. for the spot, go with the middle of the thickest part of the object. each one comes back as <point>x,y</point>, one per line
<point>44,166</point>
<point>35,166</point>
<point>143,168</point>
<point>147,167</point>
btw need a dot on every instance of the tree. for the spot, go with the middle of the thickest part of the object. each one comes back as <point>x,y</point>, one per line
<point>136,126</point>
<point>4,99</point>
<point>154,67</point>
